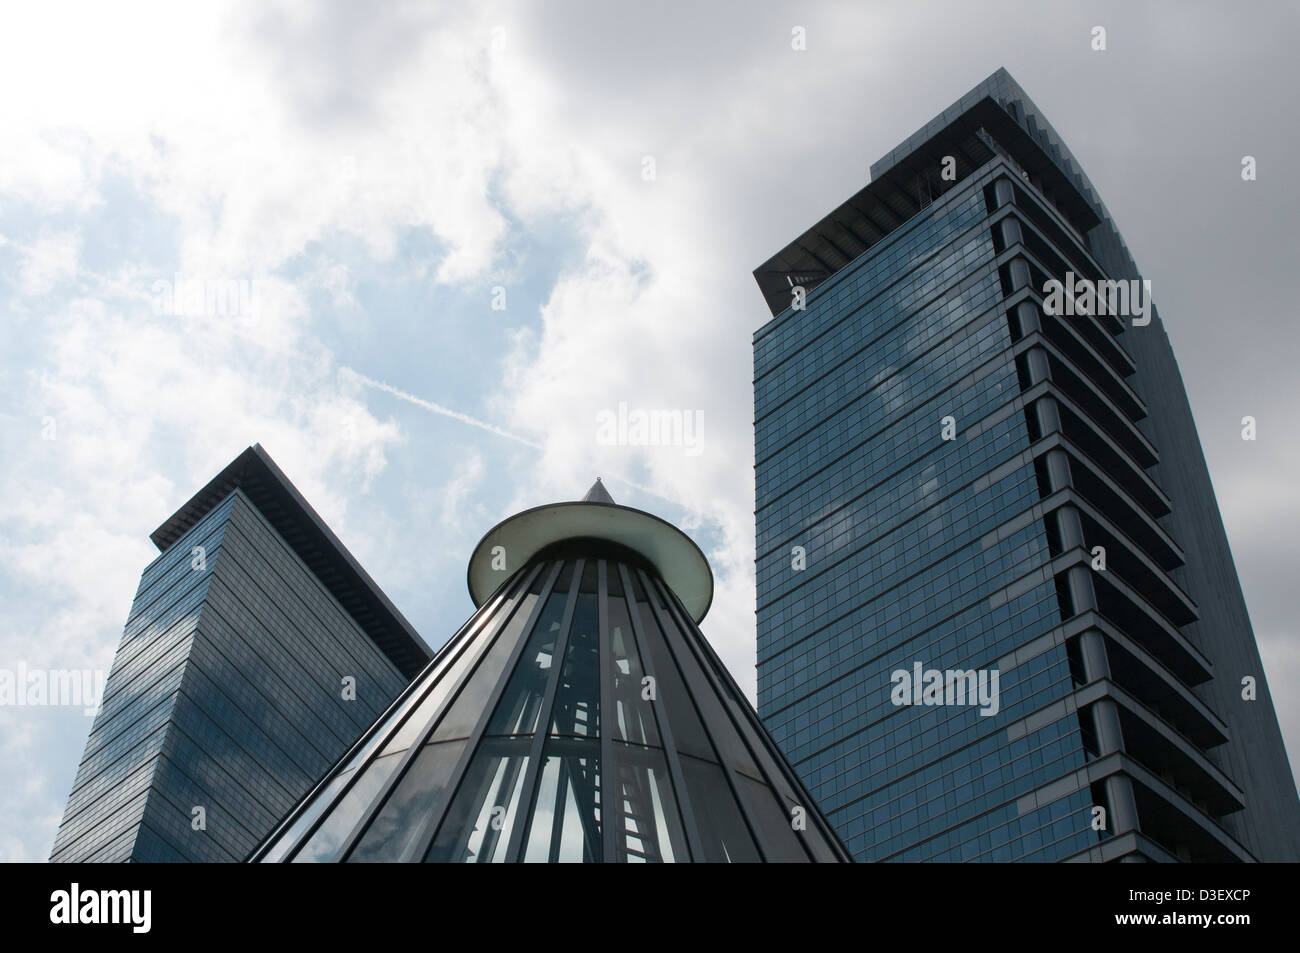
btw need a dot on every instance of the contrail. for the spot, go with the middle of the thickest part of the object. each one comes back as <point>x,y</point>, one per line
<point>438,408</point>
<point>484,425</point>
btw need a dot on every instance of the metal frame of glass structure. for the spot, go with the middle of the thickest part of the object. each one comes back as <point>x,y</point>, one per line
<point>579,715</point>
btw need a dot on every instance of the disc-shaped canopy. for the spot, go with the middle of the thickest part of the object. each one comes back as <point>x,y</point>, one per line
<point>513,542</point>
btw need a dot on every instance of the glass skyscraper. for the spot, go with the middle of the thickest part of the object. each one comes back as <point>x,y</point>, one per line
<point>964,484</point>
<point>256,651</point>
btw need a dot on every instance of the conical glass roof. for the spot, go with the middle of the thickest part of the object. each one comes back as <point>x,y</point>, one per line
<point>579,715</point>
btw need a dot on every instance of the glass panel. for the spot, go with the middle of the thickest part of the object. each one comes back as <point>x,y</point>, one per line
<point>566,814</point>
<point>429,702</point>
<point>643,808</point>
<point>486,807</point>
<point>780,841</point>
<point>465,711</point>
<point>377,736</point>
<point>517,711</point>
<point>726,838</point>
<point>324,843</point>
<point>417,796</point>
<point>415,727</point>
<point>311,811</point>
<point>683,719</point>
<point>577,700</point>
<point>633,715</point>
<point>723,732</point>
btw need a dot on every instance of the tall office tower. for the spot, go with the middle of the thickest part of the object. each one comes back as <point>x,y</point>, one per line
<point>959,479</point>
<point>256,651</point>
<point>579,715</point>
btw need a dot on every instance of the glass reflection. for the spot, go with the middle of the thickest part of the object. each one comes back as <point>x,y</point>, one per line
<point>486,807</point>
<point>415,727</point>
<point>417,796</point>
<point>781,844</point>
<point>319,802</point>
<point>633,719</point>
<point>566,813</point>
<point>687,729</point>
<point>517,711</point>
<point>577,700</point>
<point>643,808</point>
<point>324,843</point>
<point>467,709</point>
<point>725,836</point>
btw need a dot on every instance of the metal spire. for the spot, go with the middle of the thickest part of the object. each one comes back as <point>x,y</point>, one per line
<point>598,494</point>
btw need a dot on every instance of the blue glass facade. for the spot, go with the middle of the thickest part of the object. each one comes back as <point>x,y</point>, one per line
<point>227,694</point>
<point>896,522</point>
<point>936,457</point>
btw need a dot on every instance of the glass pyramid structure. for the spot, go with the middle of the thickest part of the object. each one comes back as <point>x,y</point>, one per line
<point>579,715</point>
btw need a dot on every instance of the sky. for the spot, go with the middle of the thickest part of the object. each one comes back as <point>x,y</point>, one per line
<point>466,231</point>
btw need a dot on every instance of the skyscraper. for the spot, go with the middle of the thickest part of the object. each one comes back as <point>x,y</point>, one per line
<point>579,715</point>
<point>255,653</point>
<point>998,618</point>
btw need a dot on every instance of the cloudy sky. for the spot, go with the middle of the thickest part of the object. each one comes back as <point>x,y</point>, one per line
<point>382,175</point>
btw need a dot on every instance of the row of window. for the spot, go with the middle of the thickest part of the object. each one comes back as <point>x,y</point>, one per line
<point>921,391</point>
<point>890,261</point>
<point>820,622</point>
<point>862,362</point>
<point>941,476</point>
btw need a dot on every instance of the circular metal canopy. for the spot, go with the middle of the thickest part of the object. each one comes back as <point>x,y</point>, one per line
<point>679,561</point>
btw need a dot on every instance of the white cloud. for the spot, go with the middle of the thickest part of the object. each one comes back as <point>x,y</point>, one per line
<point>193,108</point>
<point>48,261</point>
<point>458,495</point>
